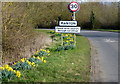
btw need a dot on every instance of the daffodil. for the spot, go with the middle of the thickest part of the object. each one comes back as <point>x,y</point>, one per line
<point>42,58</point>
<point>14,64</point>
<point>37,51</point>
<point>67,41</point>
<point>48,51</point>
<point>32,63</point>
<point>10,69</point>
<point>44,61</point>
<point>22,60</point>
<point>33,56</point>
<point>38,58</point>
<point>28,62</point>
<point>2,68</point>
<point>6,66</point>
<point>14,71</point>
<point>18,74</point>
<point>41,49</point>
<point>66,35</point>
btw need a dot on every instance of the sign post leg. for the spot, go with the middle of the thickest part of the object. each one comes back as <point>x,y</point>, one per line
<point>73,18</point>
<point>61,39</point>
<point>74,40</point>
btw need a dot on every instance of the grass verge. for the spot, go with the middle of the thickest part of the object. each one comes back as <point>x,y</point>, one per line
<point>64,66</point>
<point>109,30</point>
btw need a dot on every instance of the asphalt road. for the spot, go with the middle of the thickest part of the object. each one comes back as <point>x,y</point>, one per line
<point>106,44</point>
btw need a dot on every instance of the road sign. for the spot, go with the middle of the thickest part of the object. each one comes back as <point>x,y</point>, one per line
<point>74,6</point>
<point>67,29</point>
<point>67,23</point>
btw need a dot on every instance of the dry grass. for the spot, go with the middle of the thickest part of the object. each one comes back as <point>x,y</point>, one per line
<point>19,38</point>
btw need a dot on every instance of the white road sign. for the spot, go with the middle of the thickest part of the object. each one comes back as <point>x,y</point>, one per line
<point>67,29</point>
<point>74,6</point>
<point>67,23</point>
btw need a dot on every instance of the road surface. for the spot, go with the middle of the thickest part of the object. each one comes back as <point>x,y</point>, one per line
<point>106,45</point>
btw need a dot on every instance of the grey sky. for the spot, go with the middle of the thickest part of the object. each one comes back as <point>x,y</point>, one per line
<point>59,0</point>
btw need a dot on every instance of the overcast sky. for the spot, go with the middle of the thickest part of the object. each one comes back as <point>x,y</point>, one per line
<point>59,0</point>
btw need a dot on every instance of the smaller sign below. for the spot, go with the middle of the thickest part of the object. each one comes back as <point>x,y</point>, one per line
<point>67,29</point>
<point>67,23</point>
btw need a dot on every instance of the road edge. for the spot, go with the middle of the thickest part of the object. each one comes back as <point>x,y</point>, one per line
<point>95,75</point>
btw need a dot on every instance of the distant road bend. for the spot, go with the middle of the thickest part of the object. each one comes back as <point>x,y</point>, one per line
<point>106,45</point>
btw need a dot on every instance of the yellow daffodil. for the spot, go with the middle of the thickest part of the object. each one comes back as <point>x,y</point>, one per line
<point>14,64</point>
<point>42,58</point>
<point>48,51</point>
<point>67,41</point>
<point>33,56</point>
<point>37,51</point>
<point>38,58</point>
<point>6,66</point>
<point>18,74</point>
<point>28,62</point>
<point>44,50</point>
<point>44,61</point>
<point>41,49</point>
<point>14,71</point>
<point>32,63</point>
<point>2,68</point>
<point>66,35</point>
<point>10,69</point>
<point>22,60</point>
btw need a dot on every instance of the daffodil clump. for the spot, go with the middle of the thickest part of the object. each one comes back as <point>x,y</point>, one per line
<point>58,34</point>
<point>37,60</point>
<point>52,31</point>
<point>7,72</point>
<point>55,33</point>
<point>23,64</point>
<point>68,42</point>
<point>42,52</point>
<point>68,39</point>
<point>28,63</point>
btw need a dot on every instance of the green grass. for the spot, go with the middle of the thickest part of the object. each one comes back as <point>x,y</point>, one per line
<point>41,30</point>
<point>64,66</point>
<point>109,30</point>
